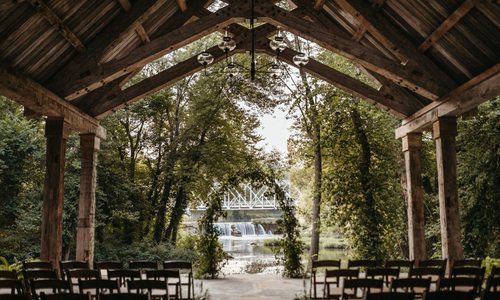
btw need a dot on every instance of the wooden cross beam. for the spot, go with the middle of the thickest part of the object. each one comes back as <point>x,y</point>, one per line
<point>182,5</point>
<point>42,101</point>
<point>125,4</point>
<point>412,77</point>
<point>153,84</point>
<point>50,16</point>
<point>469,95</point>
<point>447,24</point>
<point>157,48</point>
<point>393,40</point>
<point>382,99</point>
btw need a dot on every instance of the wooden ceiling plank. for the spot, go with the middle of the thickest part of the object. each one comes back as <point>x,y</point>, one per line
<point>469,95</point>
<point>412,77</point>
<point>182,5</point>
<point>157,48</point>
<point>107,37</point>
<point>447,24</point>
<point>50,16</point>
<point>393,40</point>
<point>42,101</point>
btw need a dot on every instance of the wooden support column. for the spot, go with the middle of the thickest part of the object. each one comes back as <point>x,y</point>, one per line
<point>412,145</point>
<point>56,132</point>
<point>445,131</point>
<point>89,147</point>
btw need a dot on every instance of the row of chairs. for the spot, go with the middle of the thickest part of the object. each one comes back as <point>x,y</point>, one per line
<point>465,272</point>
<point>145,275</point>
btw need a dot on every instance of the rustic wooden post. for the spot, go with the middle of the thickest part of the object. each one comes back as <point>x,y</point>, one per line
<point>445,131</point>
<point>89,147</point>
<point>412,145</point>
<point>56,132</point>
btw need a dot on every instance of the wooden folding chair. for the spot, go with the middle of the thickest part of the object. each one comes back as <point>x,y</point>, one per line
<point>183,267</point>
<point>358,288</point>
<point>316,264</point>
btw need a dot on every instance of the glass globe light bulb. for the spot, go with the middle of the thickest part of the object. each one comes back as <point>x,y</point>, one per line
<point>300,59</point>
<point>227,44</point>
<point>205,58</point>
<point>275,70</point>
<point>277,46</point>
<point>231,70</point>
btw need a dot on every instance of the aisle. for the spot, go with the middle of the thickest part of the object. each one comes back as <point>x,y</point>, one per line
<point>253,286</point>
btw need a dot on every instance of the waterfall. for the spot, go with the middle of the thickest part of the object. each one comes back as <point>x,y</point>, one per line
<point>245,228</point>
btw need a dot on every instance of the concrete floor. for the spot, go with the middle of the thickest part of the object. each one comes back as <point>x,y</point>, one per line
<point>252,286</point>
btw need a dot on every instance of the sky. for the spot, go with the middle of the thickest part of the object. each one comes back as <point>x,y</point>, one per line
<point>275,129</point>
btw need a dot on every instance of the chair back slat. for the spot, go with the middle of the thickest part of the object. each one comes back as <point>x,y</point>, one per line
<point>422,272</point>
<point>14,297</point>
<point>66,297</point>
<point>178,265</point>
<point>410,285</point>
<point>162,274</point>
<point>362,263</point>
<point>467,263</point>
<point>468,272</point>
<point>493,284</point>
<point>83,274</point>
<point>449,295</point>
<point>125,296</point>
<point>399,263</point>
<point>98,286</point>
<point>143,265</point>
<point>37,265</point>
<point>490,295</point>
<point>451,284</point>
<point>56,286</point>
<point>16,286</point>
<point>326,263</point>
<point>386,274</point>
<point>6,274</point>
<point>109,265</point>
<point>433,263</point>
<point>74,264</point>
<point>353,287</point>
<point>142,286</point>
<point>40,274</point>
<point>389,296</point>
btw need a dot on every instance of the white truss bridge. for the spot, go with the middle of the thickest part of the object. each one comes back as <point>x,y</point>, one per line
<point>247,197</point>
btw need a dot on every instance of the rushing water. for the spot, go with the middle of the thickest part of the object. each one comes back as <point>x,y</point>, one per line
<point>245,228</point>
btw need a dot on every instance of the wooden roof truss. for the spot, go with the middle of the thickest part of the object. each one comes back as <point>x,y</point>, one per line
<point>413,69</point>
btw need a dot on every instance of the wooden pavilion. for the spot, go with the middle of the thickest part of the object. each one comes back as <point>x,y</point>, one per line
<point>69,61</point>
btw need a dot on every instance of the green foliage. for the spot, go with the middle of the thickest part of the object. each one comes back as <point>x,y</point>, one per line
<point>478,145</point>
<point>211,256</point>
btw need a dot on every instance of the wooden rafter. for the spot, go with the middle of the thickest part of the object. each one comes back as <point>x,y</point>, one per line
<point>447,24</point>
<point>141,32</point>
<point>398,107</point>
<point>157,48</point>
<point>410,76</point>
<point>479,89</point>
<point>114,88</point>
<point>392,40</point>
<point>318,4</point>
<point>153,84</point>
<point>182,5</point>
<point>125,22</point>
<point>50,16</point>
<point>125,4</point>
<point>42,101</point>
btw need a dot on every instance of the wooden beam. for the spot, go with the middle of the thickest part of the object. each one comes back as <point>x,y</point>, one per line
<point>141,32</point>
<point>182,5</point>
<point>447,24</point>
<point>318,4</point>
<point>124,22</point>
<point>125,4</point>
<point>152,84</point>
<point>157,48</point>
<point>412,77</point>
<point>58,24</point>
<point>40,100</point>
<point>464,98</point>
<point>393,40</point>
<point>381,99</point>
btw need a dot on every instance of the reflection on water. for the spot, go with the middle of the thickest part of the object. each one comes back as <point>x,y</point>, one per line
<point>250,249</point>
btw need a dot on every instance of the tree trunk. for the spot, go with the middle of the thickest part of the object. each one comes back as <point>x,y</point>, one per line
<point>162,209</point>
<point>369,210</point>
<point>177,212</point>
<point>318,170</point>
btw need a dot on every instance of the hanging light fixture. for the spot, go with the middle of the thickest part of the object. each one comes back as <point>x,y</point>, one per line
<point>205,58</point>
<point>231,69</point>
<point>300,59</point>
<point>278,42</point>
<point>275,69</point>
<point>227,44</point>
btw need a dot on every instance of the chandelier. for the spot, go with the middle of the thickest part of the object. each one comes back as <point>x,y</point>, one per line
<point>277,44</point>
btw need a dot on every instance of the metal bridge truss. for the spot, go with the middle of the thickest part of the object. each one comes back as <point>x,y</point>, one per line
<point>247,197</point>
